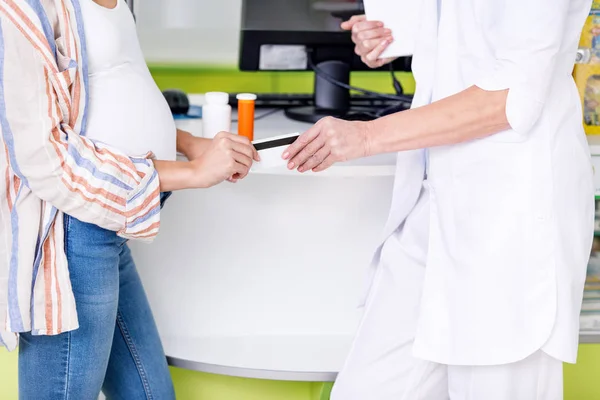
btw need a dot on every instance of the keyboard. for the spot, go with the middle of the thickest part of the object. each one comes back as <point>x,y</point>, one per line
<point>287,100</point>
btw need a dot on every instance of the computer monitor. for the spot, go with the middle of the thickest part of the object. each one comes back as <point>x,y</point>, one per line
<point>300,35</point>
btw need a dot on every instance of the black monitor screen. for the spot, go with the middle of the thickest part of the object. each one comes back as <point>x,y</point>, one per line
<point>297,15</point>
<point>279,34</point>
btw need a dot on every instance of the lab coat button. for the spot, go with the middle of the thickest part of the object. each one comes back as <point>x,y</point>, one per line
<point>540,218</point>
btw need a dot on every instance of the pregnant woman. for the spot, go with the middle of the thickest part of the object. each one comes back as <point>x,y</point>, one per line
<point>88,157</point>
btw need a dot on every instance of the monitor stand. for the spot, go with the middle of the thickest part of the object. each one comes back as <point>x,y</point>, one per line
<point>331,100</point>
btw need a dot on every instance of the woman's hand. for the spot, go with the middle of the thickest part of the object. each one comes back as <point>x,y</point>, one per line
<point>228,157</point>
<point>329,141</point>
<point>193,148</point>
<point>371,39</point>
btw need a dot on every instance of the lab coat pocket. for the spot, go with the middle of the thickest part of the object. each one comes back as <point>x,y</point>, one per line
<point>507,136</point>
<point>492,202</point>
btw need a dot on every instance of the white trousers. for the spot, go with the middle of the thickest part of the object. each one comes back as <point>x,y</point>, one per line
<point>381,365</point>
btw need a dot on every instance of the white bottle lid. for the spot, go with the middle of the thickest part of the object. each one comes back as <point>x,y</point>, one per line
<point>217,98</point>
<point>246,96</point>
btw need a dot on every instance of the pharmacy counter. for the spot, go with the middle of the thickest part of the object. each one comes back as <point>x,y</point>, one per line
<point>261,279</point>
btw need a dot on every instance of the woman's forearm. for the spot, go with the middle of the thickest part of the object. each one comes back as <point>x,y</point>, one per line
<point>174,175</point>
<point>190,146</point>
<point>183,140</point>
<point>471,114</point>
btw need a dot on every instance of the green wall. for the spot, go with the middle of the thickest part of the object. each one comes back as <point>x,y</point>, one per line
<point>198,79</point>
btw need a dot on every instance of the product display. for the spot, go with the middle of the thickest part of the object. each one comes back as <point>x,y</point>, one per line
<point>587,70</point>
<point>590,311</point>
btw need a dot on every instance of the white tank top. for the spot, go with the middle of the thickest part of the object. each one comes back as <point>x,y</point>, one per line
<point>126,108</point>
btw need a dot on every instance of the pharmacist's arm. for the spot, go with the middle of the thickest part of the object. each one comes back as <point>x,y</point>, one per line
<point>471,114</point>
<point>468,115</point>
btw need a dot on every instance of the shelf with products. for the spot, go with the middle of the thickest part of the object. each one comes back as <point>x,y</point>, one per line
<point>589,337</point>
<point>590,311</point>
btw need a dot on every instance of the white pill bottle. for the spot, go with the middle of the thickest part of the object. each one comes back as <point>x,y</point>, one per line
<point>216,114</point>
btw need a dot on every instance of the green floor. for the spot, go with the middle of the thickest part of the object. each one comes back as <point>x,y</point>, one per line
<point>197,386</point>
<point>581,382</point>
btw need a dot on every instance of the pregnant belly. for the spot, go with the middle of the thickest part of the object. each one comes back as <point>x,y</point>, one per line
<point>128,112</point>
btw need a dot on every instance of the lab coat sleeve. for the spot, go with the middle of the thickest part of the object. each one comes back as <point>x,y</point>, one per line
<point>525,38</point>
<point>87,180</point>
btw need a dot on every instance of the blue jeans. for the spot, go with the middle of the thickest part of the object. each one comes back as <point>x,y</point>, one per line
<point>116,348</point>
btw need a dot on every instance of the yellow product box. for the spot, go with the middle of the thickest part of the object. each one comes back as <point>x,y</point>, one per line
<point>587,71</point>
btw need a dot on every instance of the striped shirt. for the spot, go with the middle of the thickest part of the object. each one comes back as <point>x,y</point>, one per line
<point>49,167</point>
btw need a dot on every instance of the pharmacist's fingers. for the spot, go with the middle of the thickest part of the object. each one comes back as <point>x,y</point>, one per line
<point>372,59</point>
<point>303,140</point>
<point>378,50</point>
<point>365,47</point>
<point>365,26</point>
<point>233,179</point>
<point>317,159</point>
<point>377,33</point>
<point>306,154</point>
<point>328,162</point>
<point>377,63</point>
<point>347,25</point>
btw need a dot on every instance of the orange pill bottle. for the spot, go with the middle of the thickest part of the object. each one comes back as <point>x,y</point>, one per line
<point>246,114</point>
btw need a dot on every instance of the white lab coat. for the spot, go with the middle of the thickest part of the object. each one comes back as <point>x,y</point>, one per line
<point>511,215</point>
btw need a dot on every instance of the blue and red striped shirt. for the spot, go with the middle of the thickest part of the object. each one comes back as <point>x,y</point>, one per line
<point>50,168</point>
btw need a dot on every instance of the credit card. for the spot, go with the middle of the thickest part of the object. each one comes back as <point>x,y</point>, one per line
<point>271,150</point>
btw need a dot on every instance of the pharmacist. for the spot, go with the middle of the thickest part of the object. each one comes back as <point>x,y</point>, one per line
<point>475,292</point>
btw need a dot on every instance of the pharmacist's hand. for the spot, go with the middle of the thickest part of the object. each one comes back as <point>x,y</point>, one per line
<point>371,39</point>
<point>229,157</point>
<point>329,141</point>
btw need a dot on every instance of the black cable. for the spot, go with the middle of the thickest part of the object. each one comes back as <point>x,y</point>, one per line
<point>333,81</point>
<point>395,82</point>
